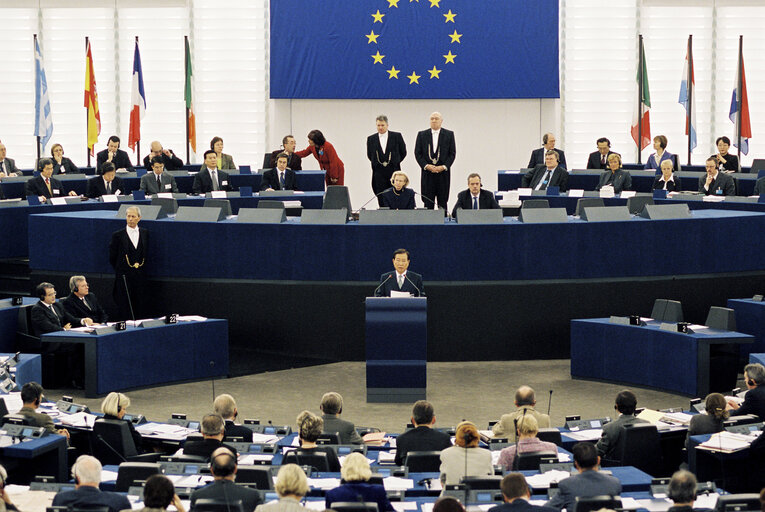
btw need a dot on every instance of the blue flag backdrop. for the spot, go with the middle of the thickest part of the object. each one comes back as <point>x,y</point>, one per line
<point>414,49</point>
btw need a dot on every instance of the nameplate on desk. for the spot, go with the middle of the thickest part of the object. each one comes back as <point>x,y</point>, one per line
<point>553,191</point>
<point>245,191</point>
<point>18,301</point>
<point>668,327</point>
<point>619,320</point>
<point>524,191</point>
<point>626,194</point>
<point>607,192</point>
<point>218,194</point>
<point>756,298</point>
<point>166,195</point>
<point>140,171</point>
<point>57,200</point>
<point>153,323</point>
<point>120,326</point>
<point>105,329</point>
<point>576,192</point>
<point>171,319</point>
<point>659,194</point>
<point>109,198</point>
<point>139,195</point>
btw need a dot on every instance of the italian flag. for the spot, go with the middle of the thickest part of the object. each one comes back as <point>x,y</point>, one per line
<point>641,117</point>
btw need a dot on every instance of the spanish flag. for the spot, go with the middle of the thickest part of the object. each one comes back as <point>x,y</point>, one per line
<point>91,101</point>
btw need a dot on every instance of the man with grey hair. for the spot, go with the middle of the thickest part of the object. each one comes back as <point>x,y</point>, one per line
<point>212,427</point>
<point>7,165</point>
<point>682,491</point>
<point>525,401</point>
<point>225,406</point>
<point>331,408</point>
<point>82,303</point>
<point>754,400</point>
<point>548,144</point>
<point>435,151</point>
<point>385,150</point>
<point>127,254</point>
<point>87,475</point>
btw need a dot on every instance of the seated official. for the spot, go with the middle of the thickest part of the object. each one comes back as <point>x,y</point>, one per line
<point>86,494</point>
<point>666,181</point>
<point>7,165</point>
<point>61,164</point>
<point>81,303</point>
<point>423,437</point>
<point>682,491</point>
<point>44,186</point>
<point>108,183</point>
<point>310,427</point>
<point>400,279</point>
<point>515,494</point>
<point>465,458</point>
<point>528,428</point>
<point>115,155</point>
<point>599,159</point>
<point>158,181</point>
<point>212,427</point>
<point>355,485</point>
<point>31,397</point>
<point>222,160</point>
<point>223,467</point>
<point>51,316</point>
<point>280,177</point>
<point>725,161</point>
<point>712,420</point>
<point>331,407</point>
<point>661,155</point>
<point>588,483</point>
<point>291,486</point>
<point>714,182</point>
<point>525,400</point>
<point>159,493</point>
<point>169,159</point>
<point>114,407</point>
<point>548,144</point>
<point>615,176</point>
<point>759,187</point>
<point>611,439</point>
<point>754,400</point>
<point>225,406</point>
<point>210,179</point>
<point>398,197</point>
<point>475,198</point>
<point>549,174</point>
<point>293,161</point>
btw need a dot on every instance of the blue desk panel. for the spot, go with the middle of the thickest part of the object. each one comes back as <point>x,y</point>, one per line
<point>43,456</point>
<point>9,321</point>
<point>750,319</point>
<point>28,369</point>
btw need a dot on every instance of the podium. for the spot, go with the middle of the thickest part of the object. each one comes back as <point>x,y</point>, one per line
<point>397,349</point>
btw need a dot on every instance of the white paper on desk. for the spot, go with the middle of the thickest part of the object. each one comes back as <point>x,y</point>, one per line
<point>495,457</point>
<point>80,419</point>
<point>713,199</point>
<point>401,506</point>
<point>525,191</point>
<point>543,480</point>
<point>517,172</point>
<point>5,441</point>
<point>109,198</point>
<point>323,483</point>
<point>57,200</point>
<point>395,483</point>
<point>706,501</point>
<point>392,443</point>
<point>292,204</point>
<point>250,458</point>
<point>264,438</point>
<point>387,456</point>
<point>165,195</point>
<point>191,318</point>
<point>398,294</point>
<point>108,476</point>
<point>727,442</point>
<point>538,503</point>
<point>585,435</point>
<point>564,457</point>
<point>426,507</point>
<point>678,417</point>
<point>193,480</point>
<point>486,433</point>
<point>576,192</point>
<point>607,191</point>
<point>218,194</point>
<point>626,194</point>
<point>630,503</point>
<point>13,402</point>
<point>82,329</point>
<point>652,505</point>
<point>316,504</point>
<point>736,399</point>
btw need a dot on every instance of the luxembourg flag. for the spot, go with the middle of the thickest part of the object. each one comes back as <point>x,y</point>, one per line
<point>139,100</point>
<point>688,99</point>
<point>745,128</point>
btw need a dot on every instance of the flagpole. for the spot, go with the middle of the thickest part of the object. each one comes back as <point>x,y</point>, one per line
<point>34,51</point>
<point>138,142</point>
<point>689,113</point>
<point>186,74</point>
<point>87,110</point>
<point>640,98</point>
<point>739,95</point>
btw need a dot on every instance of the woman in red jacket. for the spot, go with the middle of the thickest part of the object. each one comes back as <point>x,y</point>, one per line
<point>325,153</point>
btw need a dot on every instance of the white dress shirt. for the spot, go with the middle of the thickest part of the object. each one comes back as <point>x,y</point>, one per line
<point>133,234</point>
<point>383,141</point>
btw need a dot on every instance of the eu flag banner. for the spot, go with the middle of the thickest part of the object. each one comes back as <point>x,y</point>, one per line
<point>408,49</point>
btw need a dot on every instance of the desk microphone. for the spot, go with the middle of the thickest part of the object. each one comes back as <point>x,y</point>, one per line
<point>426,197</point>
<point>549,402</point>
<point>373,198</point>
<point>384,281</point>
<point>118,454</point>
<point>415,286</point>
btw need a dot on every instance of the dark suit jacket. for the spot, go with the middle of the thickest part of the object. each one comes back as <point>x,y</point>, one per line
<point>234,430</point>
<point>227,490</point>
<point>585,485</point>
<point>96,187</point>
<point>559,177</point>
<point>703,424</point>
<point>759,187</point>
<point>731,163</point>
<point>137,439</point>
<point>44,321</point>
<point>389,281</point>
<point>294,161</point>
<point>538,158</point>
<point>520,505</point>
<point>672,186</point>
<point>420,439</point>
<point>593,161</point>
<point>121,246</point>
<point>37,419</point>
<point>203,182</point>
<point>149,183</point>
<point>622,180</point>
<point>754,403</point>
<point>359,491</point>
<point>67,166</point>
<point>403,200</point>
<point>171,162</point>
<point>121,160</point>
<point>486,201</point>
<point>292,457</point>
<point>446,147</point>
<point>395,152</point>
<point>722,185</point>
<point>609,443</point>
<point>36,187</point>
<point>205,447</point>
<point>271,180</point>
<point>87,495</point>
<point>8,166</point>
<point>346,429</point>
<point>77,309</point>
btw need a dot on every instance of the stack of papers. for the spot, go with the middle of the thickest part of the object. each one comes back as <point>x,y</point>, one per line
<point>190,480</point>
<point>264,438</point>
<point>250,458</point>
<point>395,483</point>
<point>387,457</point>
<point>80,419</point>
<point>191,318</point>
<point>727,442</point>
<point>592,434</point>
<point>543,480</point>
<point>323,483</point>
<point>164,431</point>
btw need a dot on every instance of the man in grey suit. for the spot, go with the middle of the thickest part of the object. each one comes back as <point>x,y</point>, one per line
<point>588,483</point>
<point>610,441</point>
<point>158,181</point>
<point>331,408</point>
<point>7,165</point>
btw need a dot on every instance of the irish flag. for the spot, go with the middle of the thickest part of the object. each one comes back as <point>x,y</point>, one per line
<point>641,123</point>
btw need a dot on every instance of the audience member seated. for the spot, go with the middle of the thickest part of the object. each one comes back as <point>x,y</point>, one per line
<point>114,407</point>
<point>212,427</point>
<point>7,165</point>
<point>61,164</point>
<point>715,183</point>
<point>588,483</point>
<point>158,181</point>
<point>599,159</point>
<point>527,442</point>
<point>281,177</point>
<point>725,161</point>
<point>525,402</point>
<point>87,476</point>
<point>225,406</point>
<point>293,161</point>
<point>81,303</point>
<point>331,408</point>
<point>548,144</point>
<point>7,504</point>
<point>108,183</point>
<point>548,174</point>
<point>291,486</point>
<point>169,159</point>
<point>159,493</point>
<point>759,187</point>
<point>423,437</point>
<point>209,178</point>
<point>615,176</point>
<point>666,180</point>
<point>44,186</point>
<point>115,155</point>
<point>626,402</point>
<point>754,400</point>
<point>656,159</point>
<point>51,316</point>
<point>465,455</point>
<point>310,427</point>
<point>222,160</point>
<point>355,485</point>
<point>474,197</point>
<point>31,396</point>
<point>515,494</point>
<point>712,420</point>
<point>682,491</point>
<point>223,487</point>
<point>448,504</point>
<point>398,197</point>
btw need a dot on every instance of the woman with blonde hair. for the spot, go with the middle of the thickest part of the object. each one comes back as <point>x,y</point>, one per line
<point>291,486</point>
<point>465,458</point>
<point>114,407</point>
<point>355,486</point>
<point>398,197</point>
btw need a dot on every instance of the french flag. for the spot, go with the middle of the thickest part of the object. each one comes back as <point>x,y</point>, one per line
<point>138,100</point>
<point>688,99</point>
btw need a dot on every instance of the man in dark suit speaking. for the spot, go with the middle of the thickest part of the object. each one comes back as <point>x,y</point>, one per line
<point>549,174</point>
<point>385,150</point>
<point>400,279</point>
<point>435,152</point>
<point>475,198</point>
<point>127,254</point>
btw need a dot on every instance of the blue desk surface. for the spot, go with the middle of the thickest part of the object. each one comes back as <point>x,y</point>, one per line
<point>714,241</point>
<point>35,447</point>
<point>9,321</point>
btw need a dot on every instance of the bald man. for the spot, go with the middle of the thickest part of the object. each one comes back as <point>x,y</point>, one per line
<point>435,152</point>
<point>171,161</point>
<point>525,400</point>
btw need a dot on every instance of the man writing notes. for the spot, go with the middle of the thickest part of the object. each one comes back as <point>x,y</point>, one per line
<point>475,198</point>
<point>435,152</point>
<point>400,280</point>
<point>385,150</point>
<point>127,254</point>
<point>549,174</point>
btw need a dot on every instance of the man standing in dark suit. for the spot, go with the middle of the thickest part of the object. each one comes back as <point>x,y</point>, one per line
<point>611,439</point>
<point>538,155</point>
<point>106,184</point>
<point>331,407</point>
<point>400,279</point>
<point>549,174</point>
<point>87,477</point>
<point>385,150</point>
<point>754,400</point>
<point>45,186</point>
<point>115,155</point>
<point>588,483</point>
<point>51,316</point>
<point>599,158</point>
<point>210,179</point>
<point>714,182</point>
<point>158,181</point>
<point>225,406</point>
<point>171,161</point>
<point>516,493</point>
<point>435,151</point>
<point>127,255</point>
<point>423,438</point>
<point>280,178</point>
<point>475,198</point>
<point>223,488</point>
<point>81,303</point>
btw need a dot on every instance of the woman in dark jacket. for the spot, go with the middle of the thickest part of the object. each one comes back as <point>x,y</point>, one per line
<point>712,421</point>
<point>114,407</point>
<point>355,486</point>
<point>398,197</point>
